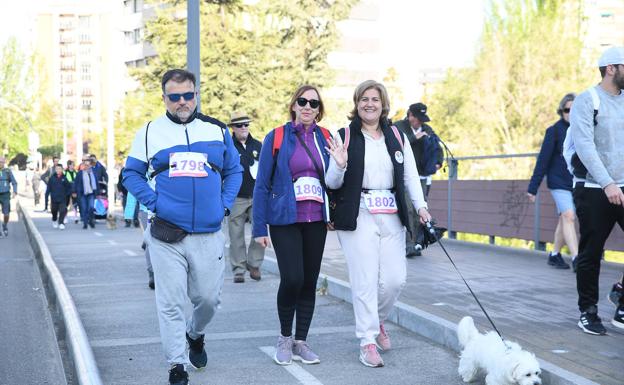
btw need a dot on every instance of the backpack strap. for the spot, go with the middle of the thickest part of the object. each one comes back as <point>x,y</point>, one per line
<point>596,102</point>
<point>325,132</point>
<point>396,132</point>
<point>278,138</point>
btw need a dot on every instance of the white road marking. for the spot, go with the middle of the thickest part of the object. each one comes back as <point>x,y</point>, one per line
<point>98,234</point>
<point>130,253</point>
<point>559,351</point>
<point>439,304</point>
<point>294,369</point>
<point>113,243</point>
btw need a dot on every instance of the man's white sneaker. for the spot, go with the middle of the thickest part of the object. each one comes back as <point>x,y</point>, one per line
<point>62,226</point>
<point>55,225</point>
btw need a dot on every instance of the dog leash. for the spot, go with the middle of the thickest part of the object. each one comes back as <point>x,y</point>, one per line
<point>431,230</point>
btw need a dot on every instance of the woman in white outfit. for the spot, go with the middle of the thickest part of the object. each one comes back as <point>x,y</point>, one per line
<point>371,170</point>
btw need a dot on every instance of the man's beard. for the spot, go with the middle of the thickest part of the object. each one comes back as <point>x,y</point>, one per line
<point>618,79</point>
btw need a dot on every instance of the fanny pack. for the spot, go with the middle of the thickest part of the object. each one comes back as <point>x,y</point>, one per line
<point>166,231</point>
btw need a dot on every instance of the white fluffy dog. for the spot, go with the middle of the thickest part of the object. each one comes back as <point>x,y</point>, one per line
<point>503,363</point>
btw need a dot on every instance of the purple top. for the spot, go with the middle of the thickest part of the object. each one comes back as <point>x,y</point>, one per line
<point>301,165</point>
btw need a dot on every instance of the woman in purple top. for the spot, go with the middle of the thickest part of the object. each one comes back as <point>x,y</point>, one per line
<point>289,197</point>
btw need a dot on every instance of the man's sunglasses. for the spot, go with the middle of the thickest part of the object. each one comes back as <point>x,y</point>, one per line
<point>241,125</point>
<point>566,110</point>
<point>176,97</point>
<point>313,102</point>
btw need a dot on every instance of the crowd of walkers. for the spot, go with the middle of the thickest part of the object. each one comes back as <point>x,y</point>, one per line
<point>187,176</point>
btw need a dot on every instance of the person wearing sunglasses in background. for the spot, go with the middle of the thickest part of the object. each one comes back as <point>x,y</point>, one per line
<point>371,170</point>
<point>550,163</point>
<point>290,197</point>
<point>241,257</point>
<point>194,175</point>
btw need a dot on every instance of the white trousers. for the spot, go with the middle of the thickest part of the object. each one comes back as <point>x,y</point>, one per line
<point>375,254</point>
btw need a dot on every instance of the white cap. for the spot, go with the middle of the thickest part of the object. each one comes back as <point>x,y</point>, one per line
<point>613,55</point>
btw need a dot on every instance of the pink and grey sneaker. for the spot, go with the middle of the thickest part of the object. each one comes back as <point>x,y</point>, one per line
<point>302,352</point>
<point>369,356</point>
<point>383,340</point>
<point>283,350</point>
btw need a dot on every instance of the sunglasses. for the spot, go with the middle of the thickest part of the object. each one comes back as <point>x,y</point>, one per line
<point>566,110</point>
<point>241,125</point>
<point>313,102</point>
<point>176,97</point>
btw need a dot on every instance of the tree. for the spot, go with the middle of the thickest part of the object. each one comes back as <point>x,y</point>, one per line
<point>253,57</point>
<point>531,55</point>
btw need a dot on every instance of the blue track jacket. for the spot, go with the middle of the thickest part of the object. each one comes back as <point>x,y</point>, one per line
<point>274,201</point>
<point>197,205</point>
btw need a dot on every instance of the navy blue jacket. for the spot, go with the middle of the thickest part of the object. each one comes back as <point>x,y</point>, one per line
<point>550,161</point>
<point>274,200</point>
<point>59,188</point>
<point>78,185</point>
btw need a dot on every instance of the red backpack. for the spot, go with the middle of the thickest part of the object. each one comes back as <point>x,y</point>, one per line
<point>278,138</point>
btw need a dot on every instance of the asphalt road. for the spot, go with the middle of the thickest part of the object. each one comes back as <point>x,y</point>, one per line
<point>28,348</point>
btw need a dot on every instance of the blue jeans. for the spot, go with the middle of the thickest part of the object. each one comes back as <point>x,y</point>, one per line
<point>85,203</point>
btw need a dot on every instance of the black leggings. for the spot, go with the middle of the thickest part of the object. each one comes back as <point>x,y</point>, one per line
<point>299,250</point>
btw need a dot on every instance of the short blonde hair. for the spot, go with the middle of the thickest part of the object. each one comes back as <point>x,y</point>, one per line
<point>298,93</point>
<point>365,86</point>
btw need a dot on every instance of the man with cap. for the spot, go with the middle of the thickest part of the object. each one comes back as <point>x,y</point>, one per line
<point>597,133</point>
<point>242,257</point>
<point>429,158</point>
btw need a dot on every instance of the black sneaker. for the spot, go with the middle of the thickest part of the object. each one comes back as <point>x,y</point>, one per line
<point>616,293</point>
<point>197,353</point>
<point>618,318</point>
<point>591,324</point>
<point>150,282</point>
<point>557,261</point>
<point>177,375</point>
<point>575,263</point>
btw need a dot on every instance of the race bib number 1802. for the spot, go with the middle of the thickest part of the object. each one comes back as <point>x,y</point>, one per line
<point>380,202</point>
<point>191,164</point>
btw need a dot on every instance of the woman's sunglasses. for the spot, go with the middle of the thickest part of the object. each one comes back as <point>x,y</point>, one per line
<point>566,110</point>
<point>241,125</point>
<point>313,102</point>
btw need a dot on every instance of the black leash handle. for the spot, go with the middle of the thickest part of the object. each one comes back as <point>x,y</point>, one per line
<point>431,230</point>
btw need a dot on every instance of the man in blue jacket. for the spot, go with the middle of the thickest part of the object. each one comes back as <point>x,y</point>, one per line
<point>184,168</point>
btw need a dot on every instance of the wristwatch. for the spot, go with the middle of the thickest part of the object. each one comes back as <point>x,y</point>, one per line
<point>227,212</point>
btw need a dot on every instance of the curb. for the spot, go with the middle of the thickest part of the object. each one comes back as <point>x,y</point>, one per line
<point>430,326</point>
<point>63,310</point>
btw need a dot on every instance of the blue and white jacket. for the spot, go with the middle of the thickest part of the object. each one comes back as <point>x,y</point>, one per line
<point>274,200</point>
<point>196,205</point>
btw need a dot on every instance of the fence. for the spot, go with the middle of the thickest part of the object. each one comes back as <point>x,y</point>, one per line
<point>498,208</point>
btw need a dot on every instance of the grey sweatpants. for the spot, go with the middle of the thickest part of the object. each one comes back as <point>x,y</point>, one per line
<point>190,269</point>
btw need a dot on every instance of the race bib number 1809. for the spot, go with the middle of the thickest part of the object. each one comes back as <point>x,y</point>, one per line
<point>308,188</point>
<point>191,164</point>
<point>380,202</point>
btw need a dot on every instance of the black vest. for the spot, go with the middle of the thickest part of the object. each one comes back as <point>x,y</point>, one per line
<point>347,198</point>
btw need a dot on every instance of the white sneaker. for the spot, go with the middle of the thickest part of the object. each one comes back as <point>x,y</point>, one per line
<point>62,226</point>
<point>65,221</point>
<point>55,225</point>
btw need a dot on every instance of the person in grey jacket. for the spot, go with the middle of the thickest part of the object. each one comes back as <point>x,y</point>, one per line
<point>6,181</point>
<point>598,136</point>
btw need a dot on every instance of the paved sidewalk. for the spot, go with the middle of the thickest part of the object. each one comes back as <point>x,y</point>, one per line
<point>530,302</point>
<point>105,273</point>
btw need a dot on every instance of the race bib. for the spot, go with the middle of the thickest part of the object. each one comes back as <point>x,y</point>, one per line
<point>308,188</point>
<point>191,164</point>
<point>380,202</point>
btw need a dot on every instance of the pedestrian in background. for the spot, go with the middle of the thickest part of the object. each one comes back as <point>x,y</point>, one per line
<point>7,180</point>
<point>36,185</point>
<point>241,257</point>
<point>85,189</point>
<point>291,199</point>
<point>429,158</point>
<point>58,189</point>
<point>373,171</point>
<point>550,163</point>
<point>46,177</point>
<point>72,203</point>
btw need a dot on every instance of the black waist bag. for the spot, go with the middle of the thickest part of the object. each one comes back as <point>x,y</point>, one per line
<point>165,231</point>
